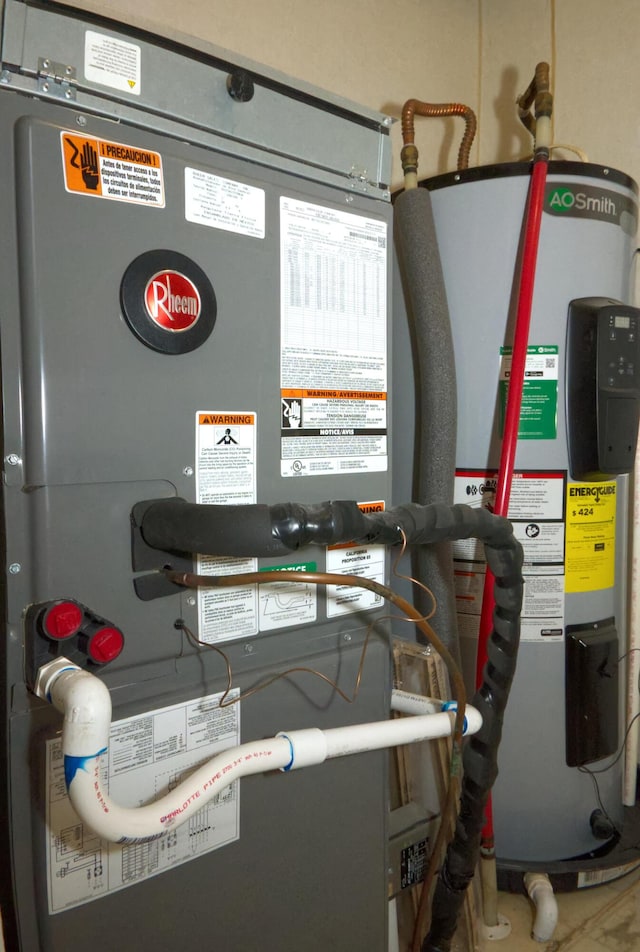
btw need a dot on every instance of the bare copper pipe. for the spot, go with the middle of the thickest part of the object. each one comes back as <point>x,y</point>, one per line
<point>415,107</point>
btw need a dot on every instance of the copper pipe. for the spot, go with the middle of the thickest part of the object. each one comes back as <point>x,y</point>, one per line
<point>414,107</point>
<point>537,94</point>
<point>449,806</point>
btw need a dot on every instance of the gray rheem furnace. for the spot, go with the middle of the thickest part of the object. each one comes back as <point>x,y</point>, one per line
<point>195,272</point>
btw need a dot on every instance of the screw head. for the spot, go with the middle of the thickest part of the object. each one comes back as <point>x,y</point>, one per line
<point>346,636</point>
<point>5,77</point>
<point>191,600</point>
<point>45,87</point>
<point>68,94</point>
<point>45,64</point>
<point>187,471</point>
<point>81,120</point>
<point>14,568</point>
<point>13,459</point>
<point>249,649</point>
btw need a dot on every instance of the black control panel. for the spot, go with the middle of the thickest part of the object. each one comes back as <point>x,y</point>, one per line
<point>603,387</point>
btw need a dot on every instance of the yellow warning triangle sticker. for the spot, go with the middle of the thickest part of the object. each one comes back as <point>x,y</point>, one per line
<point>131,82</point>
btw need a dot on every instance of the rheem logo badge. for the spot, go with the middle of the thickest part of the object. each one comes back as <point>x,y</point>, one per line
<point>172,301</point>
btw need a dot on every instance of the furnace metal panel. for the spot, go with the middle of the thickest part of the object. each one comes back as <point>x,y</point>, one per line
<point>95,421</point>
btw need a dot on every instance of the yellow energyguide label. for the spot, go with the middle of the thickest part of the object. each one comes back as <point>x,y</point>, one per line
<point>590,550</point>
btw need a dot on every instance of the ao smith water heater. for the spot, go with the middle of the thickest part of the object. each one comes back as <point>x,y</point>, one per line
<point>569,503</point>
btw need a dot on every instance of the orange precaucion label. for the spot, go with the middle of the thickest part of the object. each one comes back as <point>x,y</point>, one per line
<point>111,170</point>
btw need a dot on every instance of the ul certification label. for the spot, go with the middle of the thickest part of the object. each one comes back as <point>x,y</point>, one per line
<point>112,62</point>
<point>333,340</point>
<point>536,510</point>
<point>226,474</point>
<point>111,170</point>
<point>148,756</point>
<point>367,561</point>
<point>591,536</point>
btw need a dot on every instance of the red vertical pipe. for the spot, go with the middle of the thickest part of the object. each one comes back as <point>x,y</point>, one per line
<point>534,209</point>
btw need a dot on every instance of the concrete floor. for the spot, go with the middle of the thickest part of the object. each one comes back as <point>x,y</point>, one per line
<point>599,919</point>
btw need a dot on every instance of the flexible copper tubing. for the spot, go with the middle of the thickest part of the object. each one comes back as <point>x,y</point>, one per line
<point>449,808</point>
<point>415,107</point>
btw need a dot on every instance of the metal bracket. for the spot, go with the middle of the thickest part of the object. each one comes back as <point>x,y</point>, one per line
<point>56,79</point>
<point>144,558</point>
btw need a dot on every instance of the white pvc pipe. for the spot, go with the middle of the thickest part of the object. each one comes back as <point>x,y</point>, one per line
<point>541,894</point>
<point>86,705</point>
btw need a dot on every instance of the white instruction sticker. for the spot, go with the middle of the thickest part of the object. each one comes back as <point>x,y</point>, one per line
<point>112,62</point>
<point>333,340</point>
<point>226,474</point>
<point>536,510</point>
<point>148,755</point>
<point>283,604</point>
<point>223,203</point>
<point>365,561</point>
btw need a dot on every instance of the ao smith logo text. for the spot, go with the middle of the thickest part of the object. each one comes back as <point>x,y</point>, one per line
<point>567,200</point>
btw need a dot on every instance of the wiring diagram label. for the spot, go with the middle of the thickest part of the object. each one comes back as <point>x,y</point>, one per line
<point>226,474</point>
<point>537,513</point>
<point>223,203</point>
<point>333,362</point>
<point>148,755</point>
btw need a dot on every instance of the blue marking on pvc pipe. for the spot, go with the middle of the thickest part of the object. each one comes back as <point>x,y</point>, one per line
<point>293,756</point>
<point>453,706</point>
<point>70,667</point>
<point>73,764</point>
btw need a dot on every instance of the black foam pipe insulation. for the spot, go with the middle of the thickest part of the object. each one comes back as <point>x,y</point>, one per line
<point>436,404</point>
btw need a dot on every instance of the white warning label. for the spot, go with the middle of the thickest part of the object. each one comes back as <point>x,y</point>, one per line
<point>226,474</point>
<point>112,62</point>
<point>536,510</point>
<point>223,203</point>
<point>366,561</point>
<point>148,755</point>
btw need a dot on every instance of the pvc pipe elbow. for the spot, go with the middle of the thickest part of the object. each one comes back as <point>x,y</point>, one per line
<point>86,704</point>
<point>541,894</point>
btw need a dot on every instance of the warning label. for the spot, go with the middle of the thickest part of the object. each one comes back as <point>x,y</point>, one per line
<point>112,62</point>
<point>111,170</point>
<point>591,536</point>
<point>536,510</point>
<point>348,558</point>
<point>226,474</point>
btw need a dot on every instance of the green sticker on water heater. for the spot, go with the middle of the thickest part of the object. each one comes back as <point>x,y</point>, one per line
<point>539,410</point>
